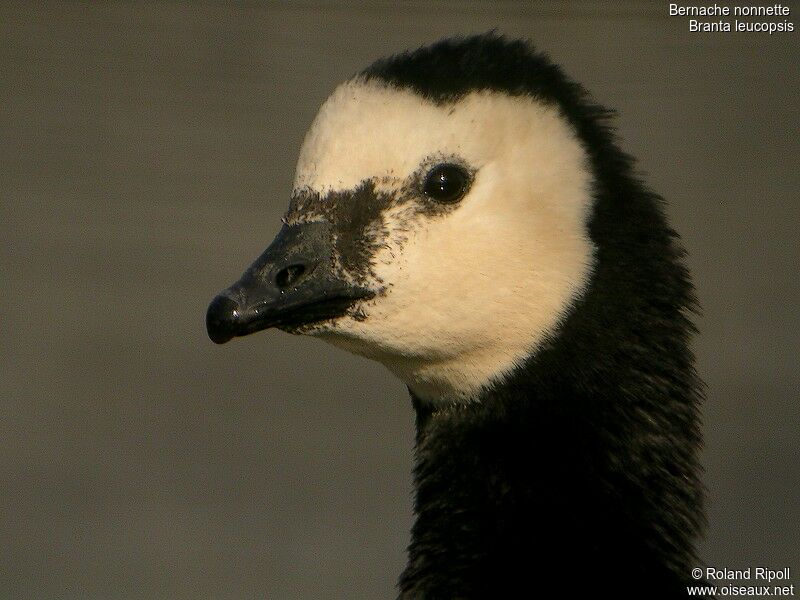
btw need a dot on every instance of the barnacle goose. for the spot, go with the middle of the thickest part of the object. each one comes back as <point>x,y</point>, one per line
<point>462,214</point>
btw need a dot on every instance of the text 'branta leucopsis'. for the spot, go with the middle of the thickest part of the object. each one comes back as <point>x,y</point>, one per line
<point>462,214</point>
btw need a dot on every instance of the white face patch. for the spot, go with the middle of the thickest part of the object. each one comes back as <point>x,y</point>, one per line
<point>465,292</point>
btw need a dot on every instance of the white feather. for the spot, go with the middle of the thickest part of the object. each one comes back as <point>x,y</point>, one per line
<point>472,293</point>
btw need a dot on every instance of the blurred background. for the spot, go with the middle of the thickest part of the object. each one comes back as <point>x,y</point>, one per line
<point>148,153</point>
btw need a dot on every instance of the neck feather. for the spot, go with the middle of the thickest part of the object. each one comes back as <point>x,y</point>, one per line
<point>558,476</point>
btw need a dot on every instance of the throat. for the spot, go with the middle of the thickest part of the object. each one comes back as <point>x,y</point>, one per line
<point>439,382</point>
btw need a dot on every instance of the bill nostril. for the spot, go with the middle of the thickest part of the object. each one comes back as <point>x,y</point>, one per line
<point>289,276</point>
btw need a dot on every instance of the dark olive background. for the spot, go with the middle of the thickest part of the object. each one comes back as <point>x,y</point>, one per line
<point>148,153</point>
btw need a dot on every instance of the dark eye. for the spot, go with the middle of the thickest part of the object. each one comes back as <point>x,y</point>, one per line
<point>446,183</point>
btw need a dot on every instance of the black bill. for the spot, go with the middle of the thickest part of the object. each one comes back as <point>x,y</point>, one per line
<point>291,284</point>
